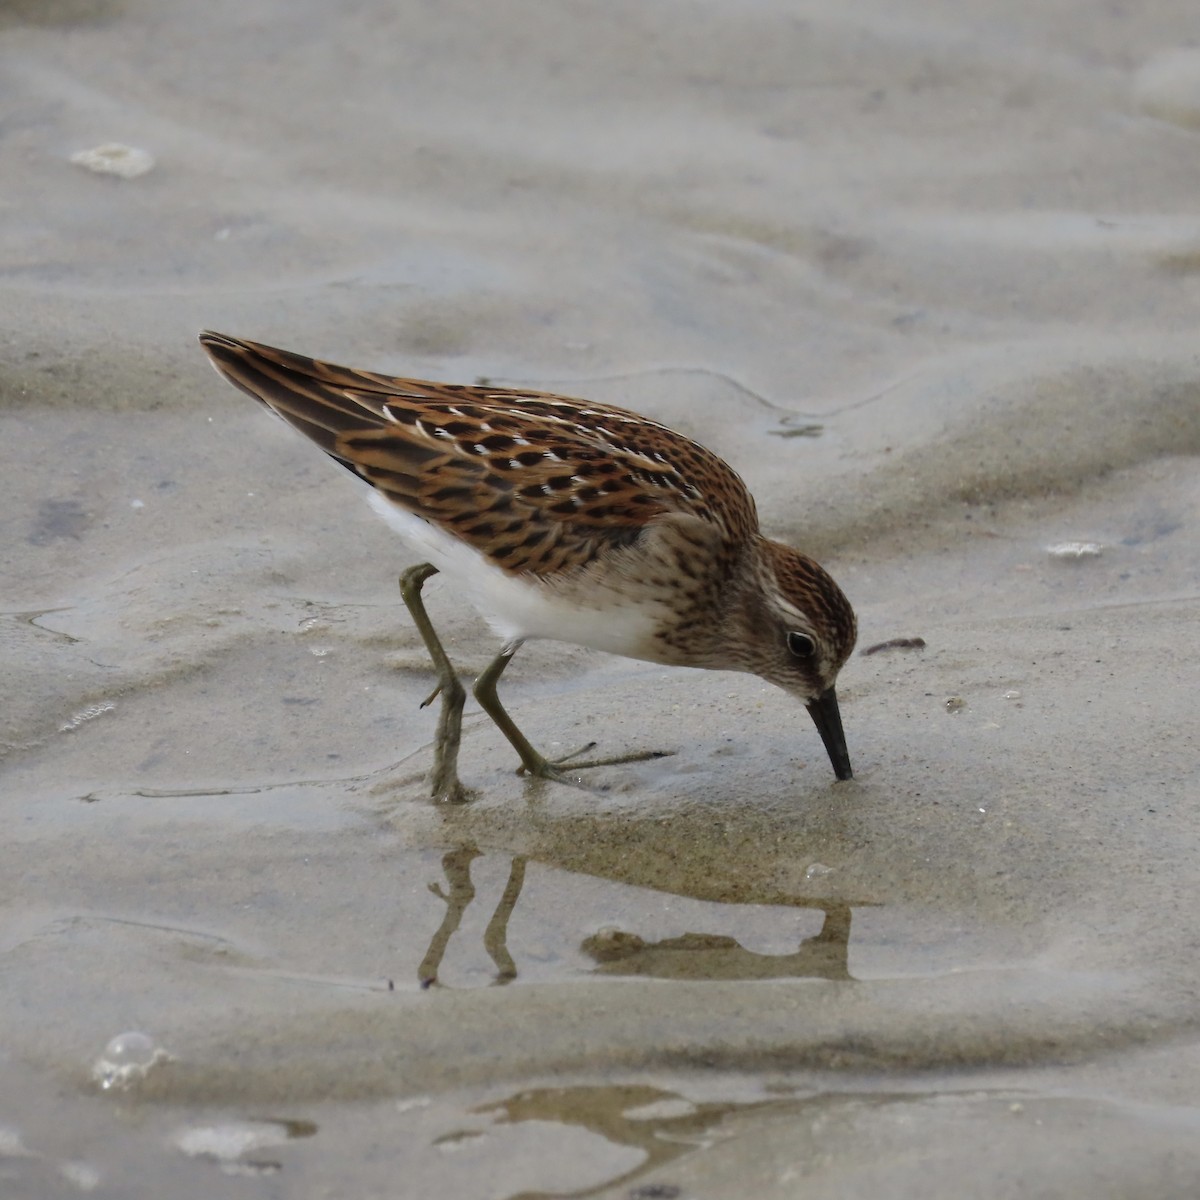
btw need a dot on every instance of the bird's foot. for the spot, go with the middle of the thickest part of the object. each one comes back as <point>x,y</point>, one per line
<point>558,769</point>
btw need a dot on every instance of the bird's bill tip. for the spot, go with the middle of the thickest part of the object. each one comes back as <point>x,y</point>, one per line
<point>827,718</point>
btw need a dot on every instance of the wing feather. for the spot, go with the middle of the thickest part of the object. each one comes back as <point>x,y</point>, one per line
<point>538,482</point>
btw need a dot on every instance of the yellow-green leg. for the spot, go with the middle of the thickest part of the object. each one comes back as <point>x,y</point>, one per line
<point>531,761</point>
<point>444,778</point>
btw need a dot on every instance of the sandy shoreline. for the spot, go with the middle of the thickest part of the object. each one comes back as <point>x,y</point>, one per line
<point>962,246</point>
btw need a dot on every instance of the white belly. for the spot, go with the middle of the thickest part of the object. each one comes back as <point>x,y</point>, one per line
<point>518,607</point>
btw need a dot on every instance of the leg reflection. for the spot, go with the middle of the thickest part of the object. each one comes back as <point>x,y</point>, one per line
<point>457,866</point>
<point>495,937</point>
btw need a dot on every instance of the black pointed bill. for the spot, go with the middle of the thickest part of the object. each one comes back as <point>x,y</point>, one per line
<point>828,720</point>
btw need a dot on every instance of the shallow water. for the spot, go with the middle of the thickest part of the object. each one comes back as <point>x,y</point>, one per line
<point>926,276</point>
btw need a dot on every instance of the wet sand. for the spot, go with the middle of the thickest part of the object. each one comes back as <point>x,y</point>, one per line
<point>928,277</point>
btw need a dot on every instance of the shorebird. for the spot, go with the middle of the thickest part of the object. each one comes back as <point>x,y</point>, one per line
<point>565,519</point>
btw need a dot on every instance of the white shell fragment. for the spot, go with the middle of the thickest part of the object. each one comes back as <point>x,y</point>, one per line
<point>115,158</point>
<point>1075,550</point>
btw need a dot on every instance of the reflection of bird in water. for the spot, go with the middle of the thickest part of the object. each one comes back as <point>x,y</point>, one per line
<point>701,956</point>
<point>691,956</point>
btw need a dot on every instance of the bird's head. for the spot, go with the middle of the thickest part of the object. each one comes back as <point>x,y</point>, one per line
<point>799,630</point>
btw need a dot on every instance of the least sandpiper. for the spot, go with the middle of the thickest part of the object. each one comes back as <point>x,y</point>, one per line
<point>569,520</point>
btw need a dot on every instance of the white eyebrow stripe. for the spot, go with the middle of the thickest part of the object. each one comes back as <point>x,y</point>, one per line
<point>799,618</point>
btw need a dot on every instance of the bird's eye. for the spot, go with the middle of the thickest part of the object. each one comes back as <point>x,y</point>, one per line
<point>801,645</point>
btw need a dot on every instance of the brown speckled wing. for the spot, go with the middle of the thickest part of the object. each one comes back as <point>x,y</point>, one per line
<point>539,483</point>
